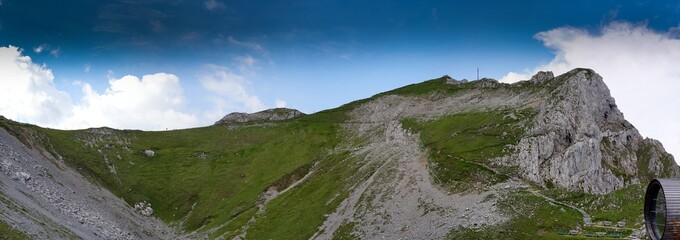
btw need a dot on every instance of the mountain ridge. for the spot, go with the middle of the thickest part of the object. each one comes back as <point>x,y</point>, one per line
<point>410,162</point>
<point>268,115</point>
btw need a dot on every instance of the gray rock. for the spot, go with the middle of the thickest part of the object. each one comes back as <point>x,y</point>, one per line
<point>149,153</point>
<point>450,80</point>
<point>486,83</point>
<point>542,76</point>
<point>275,114</point>
<point>580,140</point>
<point>144,208</point>
<point>22,176</point>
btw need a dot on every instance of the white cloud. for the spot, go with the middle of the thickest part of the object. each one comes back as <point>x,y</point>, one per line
<point>153,102</point>
<point>246,63</point>
<point>28,92</point>
<point>280,103</point>
<point>640,66</point>
<point>231,90</point>
<point>46,47</point>
<point>213,4</point>
<point>40,48</point>
<point>252,45</point>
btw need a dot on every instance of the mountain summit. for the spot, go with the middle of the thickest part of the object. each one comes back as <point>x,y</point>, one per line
<point>269,115</point>
<point>438,159</point>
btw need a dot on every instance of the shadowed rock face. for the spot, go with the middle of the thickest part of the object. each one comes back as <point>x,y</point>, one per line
<point>275,114</point>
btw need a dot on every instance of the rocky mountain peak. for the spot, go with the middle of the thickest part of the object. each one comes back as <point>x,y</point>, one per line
<point>269,115</point>
<point>579,139</point>
<point>542,76</point>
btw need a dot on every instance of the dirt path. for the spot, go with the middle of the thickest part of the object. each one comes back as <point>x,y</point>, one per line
<point>587,221</point>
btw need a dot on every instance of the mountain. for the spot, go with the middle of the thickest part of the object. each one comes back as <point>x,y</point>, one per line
<point>441,159</point>
<point>269,115</point>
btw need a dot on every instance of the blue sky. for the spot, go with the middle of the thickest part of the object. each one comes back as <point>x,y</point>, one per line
<point>194,61</point>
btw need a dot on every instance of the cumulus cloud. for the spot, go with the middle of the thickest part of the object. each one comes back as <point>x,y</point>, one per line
<point>640,66</point>
<point>230,88</point>
<point>152,102</point>
<point>28,94</point>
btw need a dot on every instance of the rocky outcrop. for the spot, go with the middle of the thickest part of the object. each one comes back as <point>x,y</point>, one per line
<point>486,83</point>
<point>450,80</point>
<point>542,76</point>
<point>270,115</point>
<point>579,139</point>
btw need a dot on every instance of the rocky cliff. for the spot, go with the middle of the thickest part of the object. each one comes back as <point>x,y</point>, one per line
<point>580,140</point>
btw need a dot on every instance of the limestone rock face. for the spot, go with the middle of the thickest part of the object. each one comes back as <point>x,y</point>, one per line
<point>486,83</point>
<point>542,76</point>
<point>450,80</point>
<point>275,114</point>
<point>579,139</point>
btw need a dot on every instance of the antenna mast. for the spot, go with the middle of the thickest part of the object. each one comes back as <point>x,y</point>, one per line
<point>477,73</point>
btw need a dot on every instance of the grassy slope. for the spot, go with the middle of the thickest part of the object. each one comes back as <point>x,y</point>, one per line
<point>460,144</point>
<point>217,170</point>
<point>622,205</point>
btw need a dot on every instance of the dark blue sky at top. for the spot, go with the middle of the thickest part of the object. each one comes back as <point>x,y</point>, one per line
<point>334,51</point>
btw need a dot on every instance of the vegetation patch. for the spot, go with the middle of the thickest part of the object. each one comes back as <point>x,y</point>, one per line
<point>427,87</point>
<point>461,144</point>
<point>621,205</point>
<point>298,213</point>
<point>346,232</point>
<point>535,218</point>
